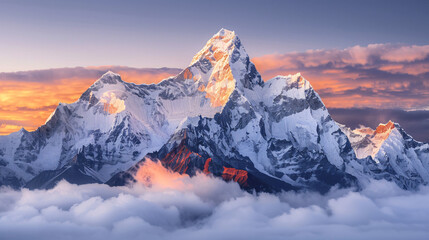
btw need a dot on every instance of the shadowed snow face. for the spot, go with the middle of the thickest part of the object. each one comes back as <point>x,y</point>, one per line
<point>202,207</point>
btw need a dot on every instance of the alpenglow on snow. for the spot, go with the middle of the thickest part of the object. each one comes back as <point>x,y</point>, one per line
<point>217,117</point>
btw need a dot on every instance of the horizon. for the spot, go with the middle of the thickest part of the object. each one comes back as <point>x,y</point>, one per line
<point>155,80</point>
<point>325,79</point>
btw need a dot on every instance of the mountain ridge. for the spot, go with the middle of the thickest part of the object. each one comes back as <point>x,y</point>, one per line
<point>268,136</point>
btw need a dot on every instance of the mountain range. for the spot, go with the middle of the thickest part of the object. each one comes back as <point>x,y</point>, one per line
<point>217,117</point>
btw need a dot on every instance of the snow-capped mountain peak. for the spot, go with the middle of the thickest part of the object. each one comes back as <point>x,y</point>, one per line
<point>367,141</point>
<point>109,91</point>
<point>110,78</point>
<point>223,32</point>
<point>221,67</point>
<point>385,128</point>
<point>388,152</point>
<point>217,47</point>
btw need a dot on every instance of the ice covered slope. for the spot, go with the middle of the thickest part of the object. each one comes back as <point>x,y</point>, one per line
<point>10,173</point>
<point>366,141</point>
<point>279,135</point>
<point>75,172</point>
<point>388,152</point>
<point>119,122</point>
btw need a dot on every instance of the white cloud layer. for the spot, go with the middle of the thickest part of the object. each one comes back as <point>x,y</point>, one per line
<point>203,207</point>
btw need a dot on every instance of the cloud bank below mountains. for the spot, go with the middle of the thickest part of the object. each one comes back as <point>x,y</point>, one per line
<point>203,207</point>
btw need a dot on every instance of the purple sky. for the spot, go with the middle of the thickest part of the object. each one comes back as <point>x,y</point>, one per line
<point>50,34</point>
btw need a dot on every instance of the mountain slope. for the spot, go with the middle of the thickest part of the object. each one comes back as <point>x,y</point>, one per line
<point>218,117</point>
<point>388,152</point>
<point>76,172</point>
<point>280,130</point>
<point>120,122</point>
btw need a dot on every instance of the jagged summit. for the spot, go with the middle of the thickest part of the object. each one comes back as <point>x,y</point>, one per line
<point>385,128</point>
<point>20,132</point>
<point>388,152</point>
<point>368,142</point>
<point>221,67</point>
<point>109,78</point>
<point>109,86</point>
<point>217,47</point>
<point>293,81</point>
<point>225,32</point>
<point>381,131</point>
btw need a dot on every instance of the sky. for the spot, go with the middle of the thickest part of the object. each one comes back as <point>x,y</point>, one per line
<point>360,56</point>
<point>50,34</point>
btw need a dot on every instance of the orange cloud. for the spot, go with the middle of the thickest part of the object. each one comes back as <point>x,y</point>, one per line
<point>32,102</point>
<point>407,53</point>
<point>8,128</point>
<point>154,174</point>
<point>377,75</point>
<point>140,75</point>
<point>28,98</point>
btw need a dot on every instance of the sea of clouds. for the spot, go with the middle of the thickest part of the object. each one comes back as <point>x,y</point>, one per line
<point>167,205</point>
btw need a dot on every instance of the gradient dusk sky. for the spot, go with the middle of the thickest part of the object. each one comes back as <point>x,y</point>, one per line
<point>368,60</point>
<point>49,33</point>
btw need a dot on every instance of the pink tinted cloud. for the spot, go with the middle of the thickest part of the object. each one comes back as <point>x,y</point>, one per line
<point>377,75</point>
<point>407,53</point>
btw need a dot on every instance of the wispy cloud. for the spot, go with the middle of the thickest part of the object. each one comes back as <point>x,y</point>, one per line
<point>203,207</point>
<point>377,75</point>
